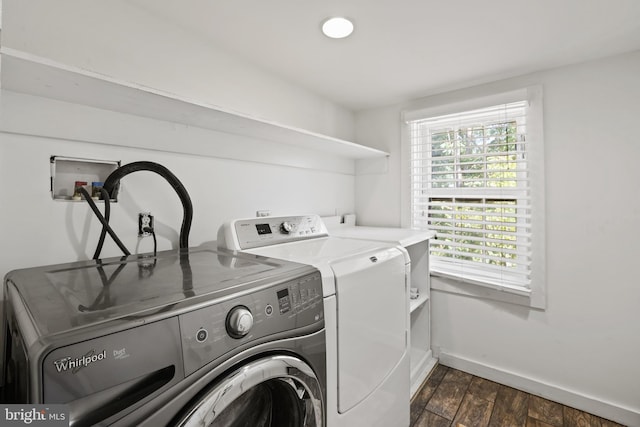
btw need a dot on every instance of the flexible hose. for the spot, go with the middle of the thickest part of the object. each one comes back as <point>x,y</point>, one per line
<point>102,220</point>
<point>107,213</point>
<point>102,300</point>
<point>113,182</point>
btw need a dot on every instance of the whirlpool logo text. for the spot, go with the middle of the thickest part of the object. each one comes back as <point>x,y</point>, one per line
<point>69,363</point>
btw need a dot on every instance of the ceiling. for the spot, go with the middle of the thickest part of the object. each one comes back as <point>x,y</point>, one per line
<point>406,49</point>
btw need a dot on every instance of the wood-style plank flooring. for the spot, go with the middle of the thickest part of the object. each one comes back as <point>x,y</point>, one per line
<point>452,398</point>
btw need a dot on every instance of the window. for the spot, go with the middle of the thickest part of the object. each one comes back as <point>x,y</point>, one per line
<point>471,175</point>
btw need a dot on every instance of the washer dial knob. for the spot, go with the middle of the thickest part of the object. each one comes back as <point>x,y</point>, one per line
<point>286,227</point>
<point>239,321</point>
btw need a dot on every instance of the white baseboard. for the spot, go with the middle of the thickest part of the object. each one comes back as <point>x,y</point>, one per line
<point>552,392</point>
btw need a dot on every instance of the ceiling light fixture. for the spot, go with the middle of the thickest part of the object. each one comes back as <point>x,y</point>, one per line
<point>337,28</point>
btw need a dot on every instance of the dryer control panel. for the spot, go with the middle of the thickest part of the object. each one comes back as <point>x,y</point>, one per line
<point>265,231</point>
<point>218,331</point>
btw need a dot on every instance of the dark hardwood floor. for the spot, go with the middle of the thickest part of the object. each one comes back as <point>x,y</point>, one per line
<point>452,398</point>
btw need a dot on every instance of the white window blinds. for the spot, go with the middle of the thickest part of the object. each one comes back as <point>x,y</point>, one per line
<point>470,184</point>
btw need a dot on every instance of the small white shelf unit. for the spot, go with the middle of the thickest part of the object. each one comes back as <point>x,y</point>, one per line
<point>416,243</point>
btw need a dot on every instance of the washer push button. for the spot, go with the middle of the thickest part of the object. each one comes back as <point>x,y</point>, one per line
<point>201,335</point>
<point>268,310</point>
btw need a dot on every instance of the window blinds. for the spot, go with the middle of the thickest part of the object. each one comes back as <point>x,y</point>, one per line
<point>470,184</point>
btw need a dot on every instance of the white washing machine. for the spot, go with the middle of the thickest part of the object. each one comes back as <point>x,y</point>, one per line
<point>365,294</point>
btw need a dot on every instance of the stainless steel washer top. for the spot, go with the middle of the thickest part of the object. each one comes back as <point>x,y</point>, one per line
<point>66,297</point>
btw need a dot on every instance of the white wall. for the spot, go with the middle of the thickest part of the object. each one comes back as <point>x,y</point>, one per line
<point>121,40</point>
<point>583,350</point>
<point>378,195</point>
<point>37,230</point>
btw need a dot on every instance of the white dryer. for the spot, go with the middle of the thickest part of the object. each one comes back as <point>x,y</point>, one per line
<point>365,291</point>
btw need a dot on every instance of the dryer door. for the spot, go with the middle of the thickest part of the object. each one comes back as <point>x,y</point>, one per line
<point>275,391</point>
<point>373,317</point>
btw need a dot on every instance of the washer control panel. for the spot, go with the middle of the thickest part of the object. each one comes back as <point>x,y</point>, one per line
<point>257,232</point>
<point>221,328</point>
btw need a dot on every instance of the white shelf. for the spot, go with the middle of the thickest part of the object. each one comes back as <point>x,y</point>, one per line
<point>33,75</point>
<point>414,304</point>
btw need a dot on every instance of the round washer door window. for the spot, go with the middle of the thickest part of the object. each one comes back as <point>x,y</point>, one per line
<point>276,391</point>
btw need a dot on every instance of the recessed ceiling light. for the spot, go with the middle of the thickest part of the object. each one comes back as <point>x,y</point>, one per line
<point>337,28</point>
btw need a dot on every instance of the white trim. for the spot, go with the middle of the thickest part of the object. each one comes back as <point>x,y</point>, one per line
<point>471,104</point>
<point>420,372</point>
<point>549,391</point>
<point>535,130</point>
<point>517,290</point>
<point>405,174</point>
<point>459,287</point>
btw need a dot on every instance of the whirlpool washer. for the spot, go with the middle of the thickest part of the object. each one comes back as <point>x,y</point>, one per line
<point>186,338</point>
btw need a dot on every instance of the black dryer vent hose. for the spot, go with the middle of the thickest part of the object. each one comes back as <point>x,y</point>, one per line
<point>112,184</point>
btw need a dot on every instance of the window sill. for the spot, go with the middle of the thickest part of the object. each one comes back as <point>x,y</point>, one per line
<point>517,290</point>
<point>455,285</point>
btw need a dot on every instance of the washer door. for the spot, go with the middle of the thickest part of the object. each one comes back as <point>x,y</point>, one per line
<point>275,391</point>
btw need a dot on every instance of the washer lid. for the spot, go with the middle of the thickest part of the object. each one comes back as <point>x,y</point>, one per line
<point>69,296</point>
<point>318,251</point>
